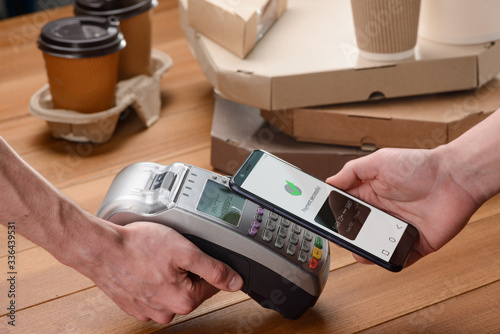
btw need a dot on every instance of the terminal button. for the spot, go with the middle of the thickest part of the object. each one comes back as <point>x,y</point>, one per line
<point>318,242</point>
<point>252,231</point>
<point>267,235</point>
<point>294,238</point>
<point>305,246</point>
<point>279,242</point>
<point>316,253</point>
<point>296,229</point>
<point>290,249</point>
<point>282,231</point>
<point>313,264</point>
<point>273,215</point>
<point>270,225</point>
<point>302,257</point>
<point>285,222</point>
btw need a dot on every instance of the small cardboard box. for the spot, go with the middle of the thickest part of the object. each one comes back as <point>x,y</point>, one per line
<point>236,25</point>
<point>239,129</point>
<point>416,122</point>
<point>310,58</point>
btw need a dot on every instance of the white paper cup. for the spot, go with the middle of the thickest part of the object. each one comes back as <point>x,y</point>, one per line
<point>460,21</point>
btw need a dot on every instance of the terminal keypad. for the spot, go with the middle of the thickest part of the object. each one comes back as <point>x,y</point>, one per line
<point>296,242</point>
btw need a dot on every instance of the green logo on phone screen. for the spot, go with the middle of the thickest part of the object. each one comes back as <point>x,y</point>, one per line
<point>292,189</point>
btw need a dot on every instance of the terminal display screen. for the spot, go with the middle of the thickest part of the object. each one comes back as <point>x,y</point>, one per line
<point>220,202</point>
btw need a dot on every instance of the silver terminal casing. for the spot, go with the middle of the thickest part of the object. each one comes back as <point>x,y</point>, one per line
<point>170,195</point>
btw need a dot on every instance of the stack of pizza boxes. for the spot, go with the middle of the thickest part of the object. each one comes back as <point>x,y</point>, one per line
<point>288,78</point>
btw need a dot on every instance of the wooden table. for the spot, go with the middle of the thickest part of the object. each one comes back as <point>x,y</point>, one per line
<point>455,290</point>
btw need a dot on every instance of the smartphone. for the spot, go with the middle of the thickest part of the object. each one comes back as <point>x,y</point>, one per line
<point>328,211</point>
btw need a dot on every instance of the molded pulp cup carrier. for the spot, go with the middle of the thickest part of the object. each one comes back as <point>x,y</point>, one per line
<point>142,93</point>
<point>135,23</point>
<point>81,57</point>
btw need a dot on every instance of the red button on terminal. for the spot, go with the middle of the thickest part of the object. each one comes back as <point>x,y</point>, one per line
<point>313,264</point>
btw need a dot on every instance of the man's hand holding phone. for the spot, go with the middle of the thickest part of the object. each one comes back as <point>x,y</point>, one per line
<point>328,211</point>
<point>416,186</point>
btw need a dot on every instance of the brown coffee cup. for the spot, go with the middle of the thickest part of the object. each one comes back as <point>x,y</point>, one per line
<point>386,29</point>
<point>135,23</point>
<point>81,58</point>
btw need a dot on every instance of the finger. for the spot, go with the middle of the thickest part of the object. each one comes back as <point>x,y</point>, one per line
<point>123,303</point>
<point>143,311</point>
<point>412,258</point>
<point>213,271</point>
<point>197,262</point>
<point>361,259</point>
<point>359,170</point>
<point>132,310</point>
<point>205,290</point>
<point>191,294</point>
<point>157,313</point>
<point>355,172</point>
<point>163,318</point>
<point>345,179</point>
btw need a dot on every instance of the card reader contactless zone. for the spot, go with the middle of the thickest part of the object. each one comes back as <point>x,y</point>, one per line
<point>283,265</point>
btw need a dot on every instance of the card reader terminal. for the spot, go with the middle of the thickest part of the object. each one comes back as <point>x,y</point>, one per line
<point>283,265</point>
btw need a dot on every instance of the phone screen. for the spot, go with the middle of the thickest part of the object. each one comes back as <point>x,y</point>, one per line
<point>321,205</point>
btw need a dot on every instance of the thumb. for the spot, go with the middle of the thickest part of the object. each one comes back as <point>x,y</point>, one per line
<point>354,172</point>
<point>345,179</point>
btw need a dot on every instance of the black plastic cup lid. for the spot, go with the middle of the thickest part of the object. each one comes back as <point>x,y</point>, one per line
<point>122,9</point>
<point>81,37</point>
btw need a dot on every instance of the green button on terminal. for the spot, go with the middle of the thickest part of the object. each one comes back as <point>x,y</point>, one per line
<point>318,242</point>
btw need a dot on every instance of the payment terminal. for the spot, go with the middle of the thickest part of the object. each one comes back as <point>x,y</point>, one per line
<point>283,265</point>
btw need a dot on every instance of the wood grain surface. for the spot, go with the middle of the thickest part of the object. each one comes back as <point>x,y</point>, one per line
<point>456,290</point>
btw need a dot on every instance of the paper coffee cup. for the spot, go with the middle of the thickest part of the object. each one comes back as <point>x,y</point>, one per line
<point>386,30</point>
<point>135,23</point>
<point>81,58</point>
<point>460,21</point>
